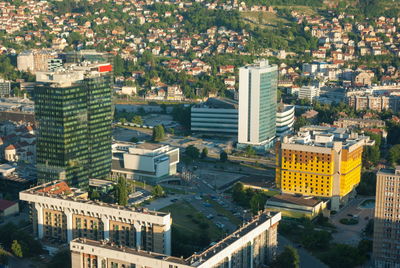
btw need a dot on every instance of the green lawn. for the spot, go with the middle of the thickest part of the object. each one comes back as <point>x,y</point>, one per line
<point>262,19</point>
<point>183,215</point>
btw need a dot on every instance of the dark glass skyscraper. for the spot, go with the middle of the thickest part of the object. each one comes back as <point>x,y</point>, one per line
<point>73,111</point>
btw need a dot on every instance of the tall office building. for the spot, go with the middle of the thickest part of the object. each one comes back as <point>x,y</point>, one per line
<point>386,247</point>
<point>73,111</point>
<point>321,161</point>
<point>257,105</point>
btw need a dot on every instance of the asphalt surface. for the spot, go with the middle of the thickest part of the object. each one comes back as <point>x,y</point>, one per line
<point>199,187</point>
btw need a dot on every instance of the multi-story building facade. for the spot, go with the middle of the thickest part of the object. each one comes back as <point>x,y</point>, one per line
<point>217,116</point>
<point>310,93</point>
<point>143,161</point>
<point>386,246</point>
<point>369,102</point>
<point>320,161</point>
<point>73,111</point>
<point>89,55</point>
<point>359,123</point>
<point>35,60</point>
<point>284,119</point>
<point>5,88</point>
<point>61,213</point>
<point>257,104</point>
<point>252,245</point>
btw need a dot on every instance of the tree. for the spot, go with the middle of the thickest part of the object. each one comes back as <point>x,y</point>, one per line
<point>341,255</point>
<point>204,153</point>
<point>300,122</point>
<point>158,133</point>
<point>394,154</point>
<point>3,257</point>
<point>137,119</point>
<point>369,228</point>
<point>16,249</point>
<point>223,156</point>
<point>192,152</point>
<point>238,193</point>
<point>367,184</point>
<point>289,258</point>
<point>158,191</point>
<point>94,195</point>
<point>250,151</point>
<point>316,239</point>
<point>118,65</point>
<point>62,259</point>
<point>121,192</point>
<point>256,203</point>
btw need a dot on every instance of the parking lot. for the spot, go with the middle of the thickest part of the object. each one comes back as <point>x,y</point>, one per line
<point>126,134</point>
<point>351,234</point>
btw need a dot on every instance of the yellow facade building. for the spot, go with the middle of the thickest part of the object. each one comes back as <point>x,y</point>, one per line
<point>320,161</point>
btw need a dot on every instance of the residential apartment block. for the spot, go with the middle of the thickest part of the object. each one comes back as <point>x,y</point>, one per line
<point>359,123</point>
<point>35,60</point>
<point>320,161</point>
<point>252,245</point>
<point>61,214</point>
<point>143,161</point>
<point>369,102</point>
<point>73,111</point>
<point>257,104</point>
<point>386,246</point>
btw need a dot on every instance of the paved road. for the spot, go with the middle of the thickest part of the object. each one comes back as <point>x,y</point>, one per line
<point>306,259</point>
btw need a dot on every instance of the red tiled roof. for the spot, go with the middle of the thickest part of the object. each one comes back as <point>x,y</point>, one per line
<point>10,147</point>
<point>4,204</point>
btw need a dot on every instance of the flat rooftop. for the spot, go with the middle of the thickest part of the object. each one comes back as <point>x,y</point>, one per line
<point>144,146</point>
<point>109,245</point>
<point>149,146</point>
<point>391,171</point>
<point>60,190</point>
<point>230,239</point>
<point>196,259</point>
<point>325,136</point>
<point>218,103</point>
<point>296,200</point>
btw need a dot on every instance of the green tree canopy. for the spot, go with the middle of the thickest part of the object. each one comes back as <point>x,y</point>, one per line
<point>158,191</point>
<point>223,156</point>
<point>137,119</point>
<point>204,153</point>
<point>394,154</point>
<point>158,133</point>
<point>121,192</point>
<point>192,152</point>
<point>289,258</point>
<point>16,249</point>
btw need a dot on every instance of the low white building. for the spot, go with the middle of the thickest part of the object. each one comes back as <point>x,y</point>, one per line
<point>310,93</point>
<point>143,161</point>
<point>215,116</point>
